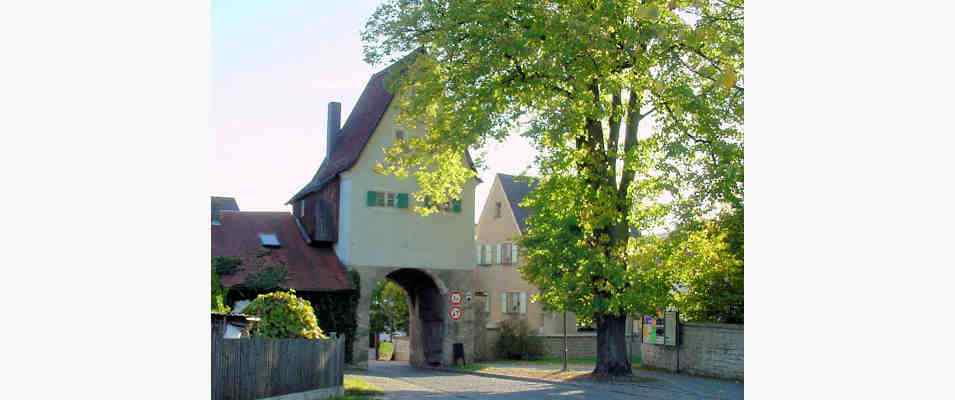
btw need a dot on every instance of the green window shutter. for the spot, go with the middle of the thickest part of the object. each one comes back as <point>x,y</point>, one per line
<point>371,198</point>
<point>402,200</point>
<point>456,205</point>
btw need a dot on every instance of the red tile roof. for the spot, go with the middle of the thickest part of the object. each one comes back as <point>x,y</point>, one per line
<point>309,268</point>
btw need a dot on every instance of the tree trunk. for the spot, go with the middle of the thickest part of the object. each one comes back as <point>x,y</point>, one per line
<point>612,357</point>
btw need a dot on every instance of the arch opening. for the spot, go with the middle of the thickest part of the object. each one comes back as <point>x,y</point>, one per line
<point>426,310</point>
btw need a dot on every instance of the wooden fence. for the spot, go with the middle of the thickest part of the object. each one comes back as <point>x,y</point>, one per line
<point>254,368</point>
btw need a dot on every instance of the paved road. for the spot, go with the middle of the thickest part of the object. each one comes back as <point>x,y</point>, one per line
<point>401,382</point>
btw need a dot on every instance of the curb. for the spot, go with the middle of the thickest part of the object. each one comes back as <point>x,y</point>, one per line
<point>520,378</point>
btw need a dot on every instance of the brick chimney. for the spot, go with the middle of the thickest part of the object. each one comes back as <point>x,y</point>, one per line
<point>334,127</point>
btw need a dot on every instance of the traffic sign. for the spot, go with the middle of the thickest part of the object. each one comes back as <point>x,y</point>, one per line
<point>456,298</point>
<point>455,313</point>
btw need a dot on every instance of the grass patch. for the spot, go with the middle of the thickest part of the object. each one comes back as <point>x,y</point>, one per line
<point>358,389</point>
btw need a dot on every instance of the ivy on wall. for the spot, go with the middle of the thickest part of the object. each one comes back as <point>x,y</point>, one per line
<point>338,312</point>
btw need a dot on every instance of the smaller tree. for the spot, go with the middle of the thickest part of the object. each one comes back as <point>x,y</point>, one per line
<point>389,308</point>
<point>284,315</point>
<point>707,260</point>
<point>219,294</point>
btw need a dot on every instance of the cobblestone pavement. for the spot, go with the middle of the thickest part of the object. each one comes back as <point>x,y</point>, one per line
<point>400,382</point>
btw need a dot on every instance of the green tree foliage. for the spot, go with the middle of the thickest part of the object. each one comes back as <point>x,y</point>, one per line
<point>389,308</point>
<point>707,260</point>
<point>270,277</point>
<point>284,315</point>
<point>226,265</point>
<point>219,295</point>
<point>577,78</point>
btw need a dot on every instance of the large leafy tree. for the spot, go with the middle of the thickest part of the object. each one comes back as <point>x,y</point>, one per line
<point>579,78</point>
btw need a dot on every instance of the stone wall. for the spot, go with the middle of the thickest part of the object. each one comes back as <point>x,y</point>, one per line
<point>705,349</point>
<point>402,348</point>
<point>579,346</point>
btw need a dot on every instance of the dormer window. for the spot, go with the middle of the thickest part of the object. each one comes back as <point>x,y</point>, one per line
<point>269,240</point>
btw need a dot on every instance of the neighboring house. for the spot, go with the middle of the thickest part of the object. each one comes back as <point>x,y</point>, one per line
<point>502,223</point>
<point>500,226</point>
<point>222,204</point>
<point>368,221</point>
<point>262,239</point>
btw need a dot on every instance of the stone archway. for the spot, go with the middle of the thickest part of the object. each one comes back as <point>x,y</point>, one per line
<point>427,320</point>
<point>432,332</point>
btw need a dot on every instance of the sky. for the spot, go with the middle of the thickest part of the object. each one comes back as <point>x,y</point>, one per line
<point>275,65</point>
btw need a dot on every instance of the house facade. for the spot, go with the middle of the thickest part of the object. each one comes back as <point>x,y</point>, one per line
<point>369,221</point>
<point>501,224</point>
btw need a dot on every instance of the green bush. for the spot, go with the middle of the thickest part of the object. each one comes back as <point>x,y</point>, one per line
<point>516,343</point>
<point>284,315</point>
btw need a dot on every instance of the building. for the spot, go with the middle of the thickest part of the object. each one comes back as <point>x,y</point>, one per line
<point>220,204</point>
<point>501,224</point>
<point>368,221</point>
<point>268,238</point>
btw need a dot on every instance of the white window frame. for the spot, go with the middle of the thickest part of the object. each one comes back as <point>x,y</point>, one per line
<point>510,298</point>
<point>391,200</point>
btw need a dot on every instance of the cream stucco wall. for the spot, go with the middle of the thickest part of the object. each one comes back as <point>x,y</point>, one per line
<point>497,278</point>
<point>393,237</point>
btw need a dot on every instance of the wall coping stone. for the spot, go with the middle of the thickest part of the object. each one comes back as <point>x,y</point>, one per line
<point>735,327</point>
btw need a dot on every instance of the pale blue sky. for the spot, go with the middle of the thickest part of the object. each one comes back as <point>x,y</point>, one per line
<point>274,67</point>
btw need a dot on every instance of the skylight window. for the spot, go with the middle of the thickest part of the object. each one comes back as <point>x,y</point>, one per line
<point>269,239</point>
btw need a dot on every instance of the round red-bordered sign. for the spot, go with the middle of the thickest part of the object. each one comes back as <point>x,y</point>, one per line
<point>455,312</point>
<point>455,298</point>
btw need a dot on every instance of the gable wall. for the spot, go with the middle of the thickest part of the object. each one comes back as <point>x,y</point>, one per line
<point>498,278</point>
<point>392,237</point>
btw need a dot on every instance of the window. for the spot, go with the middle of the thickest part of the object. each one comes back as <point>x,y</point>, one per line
<point>400,135</point>
<point>269,239</point>
<point>497,210</point>
<point>487,304</point>
<point>514,302</point>
<point>390,200</point>
<point>301,208</point>
<point>484,254</point>
<point>506,253</point>
<point>387,199</point>
<point>450,206</point>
